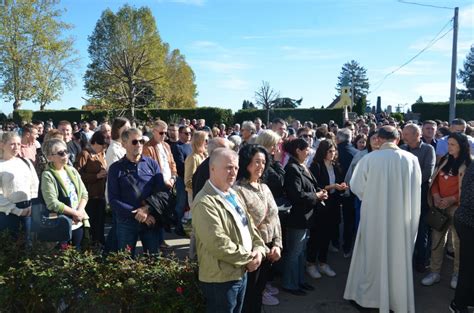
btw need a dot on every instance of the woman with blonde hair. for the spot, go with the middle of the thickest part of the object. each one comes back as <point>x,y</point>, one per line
<point>199,154</point>
<point>18,185</point>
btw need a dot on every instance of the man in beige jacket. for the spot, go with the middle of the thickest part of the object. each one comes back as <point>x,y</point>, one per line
<point>227,241</point>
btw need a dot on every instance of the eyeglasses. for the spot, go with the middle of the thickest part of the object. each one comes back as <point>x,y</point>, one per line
<point>136,141</point>
<point>61,153</point>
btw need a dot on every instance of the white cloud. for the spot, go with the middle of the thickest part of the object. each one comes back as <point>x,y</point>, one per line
<point>188,2</point>
<point>233,83</point>
<point>304,54</point>
<point>222,66</point>
<point>435,91</point>
<point>466,17</point>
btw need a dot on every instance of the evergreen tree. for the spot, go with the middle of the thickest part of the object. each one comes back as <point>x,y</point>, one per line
<point>419,100</point>
<point>466,75</point>
<point>360,106</point>
<point>355,76</point>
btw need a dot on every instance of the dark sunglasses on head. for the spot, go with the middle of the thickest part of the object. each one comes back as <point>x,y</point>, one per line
<point>61,153</point>
<point>136,141</point>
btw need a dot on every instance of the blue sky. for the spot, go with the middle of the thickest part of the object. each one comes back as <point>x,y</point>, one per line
<point>298,46</point>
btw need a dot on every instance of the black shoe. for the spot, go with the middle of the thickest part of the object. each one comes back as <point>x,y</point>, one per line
<point>420,268</point>
<point>454,309</point>
<point>180,232</point>
<point>306,286</point>
<point>295,292</point>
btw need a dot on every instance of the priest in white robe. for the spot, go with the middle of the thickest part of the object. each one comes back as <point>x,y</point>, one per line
<point>388,183</point>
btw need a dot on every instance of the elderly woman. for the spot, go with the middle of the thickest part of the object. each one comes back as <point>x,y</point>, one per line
<point>91,165</point>
<point>464,223</point>
<point>444,193</point>
<point>199,154</point>
<point>63,190</point>
<point>18,184</point>
<point>305,197</point>
<point>253,161</point>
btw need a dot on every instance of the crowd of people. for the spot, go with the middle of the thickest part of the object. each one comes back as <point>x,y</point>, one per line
<point>263,200</point>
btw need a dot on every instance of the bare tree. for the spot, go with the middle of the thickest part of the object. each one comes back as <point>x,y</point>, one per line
<point>265,96</point>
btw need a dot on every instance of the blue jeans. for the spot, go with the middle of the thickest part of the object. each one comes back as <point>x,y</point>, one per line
<point>225,297</point>
<point>294,263</point>
<point>181,200</point>
<point>129,230</point>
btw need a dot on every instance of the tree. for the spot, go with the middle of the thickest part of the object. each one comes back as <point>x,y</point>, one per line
<point>360,105</point>
<point>180,90</point>
<point>248,105</point>
<point>354,76</point>
<point>419,100</point>
<point>127,58</point>
<point>466,75</point>
<point>31,36</point>
<point>281,103</point>
<point>265,97</point>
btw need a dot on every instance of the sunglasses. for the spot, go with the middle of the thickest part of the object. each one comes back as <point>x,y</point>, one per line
<point>61,153</point>
<point>136,141</point>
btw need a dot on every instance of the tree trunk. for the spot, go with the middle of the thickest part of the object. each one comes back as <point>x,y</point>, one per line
<point>268,116</point>
<point>16,104</point>
<point>42,106</point>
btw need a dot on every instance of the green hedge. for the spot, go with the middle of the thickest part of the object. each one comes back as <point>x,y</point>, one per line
<point>45,280</point>
<point>440,110</point>
<point>20,116</point>
<point>212,115</point>
<point>315,115</point>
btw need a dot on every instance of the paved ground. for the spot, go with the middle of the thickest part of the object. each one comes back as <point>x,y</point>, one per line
<point>327,298</point>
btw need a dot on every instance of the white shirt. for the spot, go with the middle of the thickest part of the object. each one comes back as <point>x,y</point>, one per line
<point>114,152</point>
<point>165,165</point>
<point>244,229</point>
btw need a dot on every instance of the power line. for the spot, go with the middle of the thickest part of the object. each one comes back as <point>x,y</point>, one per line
<point>428,45</point>
<point>425,5</point>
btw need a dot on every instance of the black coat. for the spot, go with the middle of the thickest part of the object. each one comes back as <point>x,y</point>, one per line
<point>346,152</point>
<point>301,187</point>
<point>274,177</point>
<point>200,176</point>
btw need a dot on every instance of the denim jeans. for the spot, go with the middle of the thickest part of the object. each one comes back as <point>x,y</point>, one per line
<point>181,200</point>
<point>129,230</point>
<point>295,260</point>
<point>225,297</point>
<point>10,223</point>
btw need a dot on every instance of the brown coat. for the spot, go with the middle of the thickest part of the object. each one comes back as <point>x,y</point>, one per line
<point>151,151</point>
<point>88,164</point>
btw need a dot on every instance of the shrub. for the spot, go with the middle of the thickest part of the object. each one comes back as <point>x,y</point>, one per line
<point>440,110</point>
<point>315,115</point>
<point>20,116</point>
<point>43,280</point>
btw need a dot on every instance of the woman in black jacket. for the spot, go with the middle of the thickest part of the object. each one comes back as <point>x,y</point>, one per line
<point>329,177</point>
<point>304,196</point>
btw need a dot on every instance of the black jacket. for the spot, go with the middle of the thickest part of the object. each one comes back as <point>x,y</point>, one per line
<point>301,187</point>
<point>346,152</point>
<point>200,176</point>
<point>274,177</point>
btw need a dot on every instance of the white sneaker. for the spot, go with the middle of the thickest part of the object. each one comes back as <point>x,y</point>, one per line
<point>327,270</point>
<point>271,290</point>
<point>312,271</point>
<point>268,299</point>
<point>431,279</point>
<point>454,280</point>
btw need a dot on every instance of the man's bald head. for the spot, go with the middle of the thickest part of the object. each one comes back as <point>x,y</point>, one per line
<point>388,133</point>
<point>217,142</point>
<point>412,128</point>
<point>223,168</point>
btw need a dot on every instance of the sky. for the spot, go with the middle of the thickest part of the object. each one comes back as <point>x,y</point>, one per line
<point>298,46</point>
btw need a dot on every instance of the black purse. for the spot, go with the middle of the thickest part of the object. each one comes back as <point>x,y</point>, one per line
<point>437,218</point>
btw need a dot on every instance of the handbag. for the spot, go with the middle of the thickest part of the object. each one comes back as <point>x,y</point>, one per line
<point>438,219</point>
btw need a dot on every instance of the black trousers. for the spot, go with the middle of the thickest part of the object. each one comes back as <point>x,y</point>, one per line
<point>326,220</point>
<point>348,216</point>
<point>95,208</point>
<point>464,295</point>
<point>255,285</point>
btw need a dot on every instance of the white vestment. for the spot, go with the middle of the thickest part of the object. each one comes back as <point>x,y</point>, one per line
<point>388,182</point>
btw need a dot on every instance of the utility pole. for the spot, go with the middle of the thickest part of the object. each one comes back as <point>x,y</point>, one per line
<point>452,98</point>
